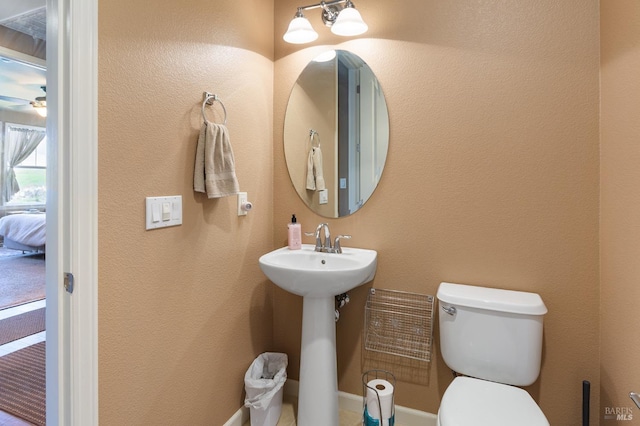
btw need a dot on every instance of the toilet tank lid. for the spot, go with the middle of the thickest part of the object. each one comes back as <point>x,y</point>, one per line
<point>518,302</point>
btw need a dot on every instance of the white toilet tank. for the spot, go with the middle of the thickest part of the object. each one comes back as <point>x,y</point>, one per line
<point>491,334</point>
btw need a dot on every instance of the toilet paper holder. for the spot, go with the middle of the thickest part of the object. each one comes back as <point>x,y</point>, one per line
<point>372,416</point>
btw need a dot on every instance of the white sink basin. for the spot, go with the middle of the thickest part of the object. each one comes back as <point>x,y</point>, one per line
<point>306,272</point>
<point>318,277</point>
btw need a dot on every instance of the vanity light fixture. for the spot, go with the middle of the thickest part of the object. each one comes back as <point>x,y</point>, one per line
<point>343,20</point>
<point>300,30</point>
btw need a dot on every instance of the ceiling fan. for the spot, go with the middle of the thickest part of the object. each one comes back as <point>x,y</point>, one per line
<point>39,103</point>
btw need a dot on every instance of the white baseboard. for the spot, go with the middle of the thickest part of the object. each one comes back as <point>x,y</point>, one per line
<point>348,402</point>
<point>239,418</point>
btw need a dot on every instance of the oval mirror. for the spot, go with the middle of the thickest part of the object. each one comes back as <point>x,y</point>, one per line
<point>336,134</point>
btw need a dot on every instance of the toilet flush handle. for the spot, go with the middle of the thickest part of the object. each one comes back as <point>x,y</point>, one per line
<point>635,398</point>
<point>451,310</point>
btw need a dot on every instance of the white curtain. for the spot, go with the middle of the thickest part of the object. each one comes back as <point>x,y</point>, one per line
<point>18,145</point>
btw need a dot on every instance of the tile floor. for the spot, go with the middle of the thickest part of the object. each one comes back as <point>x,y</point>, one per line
<point>288,418</point>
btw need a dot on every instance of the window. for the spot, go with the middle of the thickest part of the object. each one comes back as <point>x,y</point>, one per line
<point>24,165</point>
<point>32,177</point>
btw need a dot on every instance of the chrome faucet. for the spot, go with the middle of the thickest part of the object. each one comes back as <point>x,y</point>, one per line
<point>325,246</point>
<point>337,248</point>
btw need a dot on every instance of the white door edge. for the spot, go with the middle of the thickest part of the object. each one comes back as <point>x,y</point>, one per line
<point>72,212</point>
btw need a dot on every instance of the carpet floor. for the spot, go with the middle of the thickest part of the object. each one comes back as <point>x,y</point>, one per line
<point>5,252</point>
<point>22,383</point>
<point>22,279</point>
<point>23,325</point>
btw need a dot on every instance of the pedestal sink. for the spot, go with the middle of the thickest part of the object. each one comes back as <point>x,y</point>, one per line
<point>318,278</point>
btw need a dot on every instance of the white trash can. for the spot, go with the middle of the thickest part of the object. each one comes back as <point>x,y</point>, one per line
<point>264,386</point>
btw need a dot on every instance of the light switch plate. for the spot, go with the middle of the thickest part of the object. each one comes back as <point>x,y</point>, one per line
<point>163,211</point>
<point>242,200</point>
<point>323,196</point>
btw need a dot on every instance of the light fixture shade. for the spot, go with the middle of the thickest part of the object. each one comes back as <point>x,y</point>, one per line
<point>349,23</point>
<point>300,31</point>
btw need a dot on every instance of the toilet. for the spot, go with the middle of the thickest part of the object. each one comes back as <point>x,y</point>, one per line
<point>493,339</point>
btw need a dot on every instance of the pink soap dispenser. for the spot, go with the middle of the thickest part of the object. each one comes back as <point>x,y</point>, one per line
<point>294,234</point>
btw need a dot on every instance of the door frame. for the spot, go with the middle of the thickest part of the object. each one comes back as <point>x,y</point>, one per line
<point>72,212</point>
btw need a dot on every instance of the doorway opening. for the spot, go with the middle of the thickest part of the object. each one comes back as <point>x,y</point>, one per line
<point>23,192</point>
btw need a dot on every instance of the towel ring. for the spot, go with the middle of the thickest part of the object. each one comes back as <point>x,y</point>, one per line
<point>209,99</point>
<point>313,133</point>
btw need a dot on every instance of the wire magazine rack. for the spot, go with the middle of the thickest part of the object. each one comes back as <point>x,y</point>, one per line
<point>399,323</point>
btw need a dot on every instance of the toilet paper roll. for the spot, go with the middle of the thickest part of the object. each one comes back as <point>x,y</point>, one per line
<point>384,391</point>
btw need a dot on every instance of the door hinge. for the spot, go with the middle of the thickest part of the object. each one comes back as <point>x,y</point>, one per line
<point>68,282</point>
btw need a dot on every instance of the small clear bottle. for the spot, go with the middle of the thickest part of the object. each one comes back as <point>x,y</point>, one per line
<point>294,234</point>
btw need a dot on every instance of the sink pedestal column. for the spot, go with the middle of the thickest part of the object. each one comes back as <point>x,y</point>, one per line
<point>318,391</point>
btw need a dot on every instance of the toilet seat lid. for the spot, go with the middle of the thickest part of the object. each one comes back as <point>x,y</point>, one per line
<point>469,401</point>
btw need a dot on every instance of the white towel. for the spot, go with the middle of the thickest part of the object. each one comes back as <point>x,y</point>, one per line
<point>311,180</point>
<point>214,171</point>
<point>315,177</point>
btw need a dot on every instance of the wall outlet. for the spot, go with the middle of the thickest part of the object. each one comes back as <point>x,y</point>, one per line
<point>242,201</point>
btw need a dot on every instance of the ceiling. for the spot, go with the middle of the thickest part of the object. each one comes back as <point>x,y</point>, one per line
<point>18,79</point>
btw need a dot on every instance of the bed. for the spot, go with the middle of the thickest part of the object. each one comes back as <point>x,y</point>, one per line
<point>24,231</point>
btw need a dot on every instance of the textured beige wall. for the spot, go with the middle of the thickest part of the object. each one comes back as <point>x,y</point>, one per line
<point>494,140</point>
<point>491,178</point>
<point>620,204</point>
<point>183,310</point>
